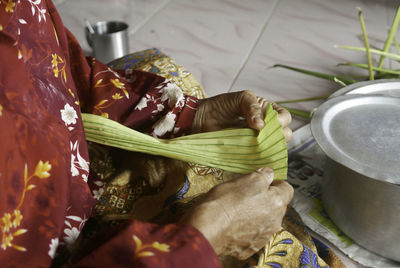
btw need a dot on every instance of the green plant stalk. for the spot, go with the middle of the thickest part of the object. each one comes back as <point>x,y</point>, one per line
<point>318,74</point>
<point>371,72</point>
<point>396,45</point>
<point>303,100</point>
<point>373,51</point>
<point>297,112</point>
<point>339,82</point>
<point>381,72</point>
<point>391,36</point>
<point>365,66</point>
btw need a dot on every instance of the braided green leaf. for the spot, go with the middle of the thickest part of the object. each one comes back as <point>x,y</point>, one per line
<point>236,150</point>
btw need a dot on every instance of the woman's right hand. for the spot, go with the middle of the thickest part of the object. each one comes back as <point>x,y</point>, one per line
<point>239,217</point>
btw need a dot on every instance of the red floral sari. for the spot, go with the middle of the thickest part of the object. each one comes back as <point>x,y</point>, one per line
<point>47,191</point>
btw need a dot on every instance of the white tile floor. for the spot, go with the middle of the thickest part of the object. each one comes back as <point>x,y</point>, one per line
<point>230,45</point>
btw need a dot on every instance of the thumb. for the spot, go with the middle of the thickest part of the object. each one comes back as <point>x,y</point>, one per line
<point>267,173</point>
<point>252,110</point>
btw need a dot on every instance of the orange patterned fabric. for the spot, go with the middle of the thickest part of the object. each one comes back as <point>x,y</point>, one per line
<point>47,191</point>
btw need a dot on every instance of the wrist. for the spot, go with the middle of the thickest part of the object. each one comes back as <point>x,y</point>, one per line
<point>198,117</point>
<point>206,220</point>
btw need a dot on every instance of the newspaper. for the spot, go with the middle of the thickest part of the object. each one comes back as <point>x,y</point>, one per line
<point>305,174</point>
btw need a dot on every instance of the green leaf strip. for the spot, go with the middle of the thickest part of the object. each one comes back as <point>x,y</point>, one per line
<point>396,44</point>
<point>371,73</point>
<point>299,113</point>
<point>330,77</point>
<point>365,66</point>
<point>235,150</point>
<point>391,36</point>
<point>323,97</point>
<point>373,51</point>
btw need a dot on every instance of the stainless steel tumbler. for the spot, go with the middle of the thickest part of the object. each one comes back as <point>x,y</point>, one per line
<point>109,40</point>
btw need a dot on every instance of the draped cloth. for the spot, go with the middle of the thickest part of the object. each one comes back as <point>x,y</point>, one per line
<point>48,188</point>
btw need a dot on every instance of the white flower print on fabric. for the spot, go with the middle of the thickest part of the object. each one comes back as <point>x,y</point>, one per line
<point>164,125</point>
<point>173,94</point>
<point>78,162</point>
<point>71,236</point>
<point>72,232</point>
<point>163,84</point>
<point>74,170</point>
<point>98,192</point>
<point>41,12</point>
<point>160,107</point>
<point>53,247</point>
<point>142,103</point>
<point>113,72</point>
<point>109,70</point>
<point>68,115</point>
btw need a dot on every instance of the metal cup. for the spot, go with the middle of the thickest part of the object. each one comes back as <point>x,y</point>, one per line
<point>109,40</point>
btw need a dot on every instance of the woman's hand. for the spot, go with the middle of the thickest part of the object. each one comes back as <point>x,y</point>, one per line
<point>236,110</point>
<point>238,217</point>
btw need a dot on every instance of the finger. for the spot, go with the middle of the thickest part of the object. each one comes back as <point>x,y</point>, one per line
<point>284,191</point>
<point>252,110</point>
<point>267,173</point>
<point>284,116</point>
<point>245,254</point>
<point>263,104</point>
<point>287,132</point>
<point>248,252</point>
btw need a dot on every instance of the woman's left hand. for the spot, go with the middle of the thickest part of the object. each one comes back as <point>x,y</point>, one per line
<point>236,110</point>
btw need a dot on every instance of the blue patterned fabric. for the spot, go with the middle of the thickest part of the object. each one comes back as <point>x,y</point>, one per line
<point>309,259</point>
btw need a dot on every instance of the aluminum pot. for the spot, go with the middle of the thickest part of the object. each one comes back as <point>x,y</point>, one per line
<point>109,41</point>
<point>360,134</point>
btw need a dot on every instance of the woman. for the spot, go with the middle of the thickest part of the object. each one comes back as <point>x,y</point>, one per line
<point>47,189</point>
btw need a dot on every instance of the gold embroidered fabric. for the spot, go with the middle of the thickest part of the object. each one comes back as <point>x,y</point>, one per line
<point>154,61</point>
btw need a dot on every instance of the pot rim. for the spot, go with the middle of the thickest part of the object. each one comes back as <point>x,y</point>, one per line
<point>320,128</point>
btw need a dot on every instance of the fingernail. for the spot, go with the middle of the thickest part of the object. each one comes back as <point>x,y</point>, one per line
<point>257,120</point>
<point>267,173</point>
<point>265,169</point>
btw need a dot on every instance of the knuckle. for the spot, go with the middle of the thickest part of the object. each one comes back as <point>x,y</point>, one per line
<point>290,189</point>
<point>289,116</point>
<point>291,193</point>
<point>247,93</point>
<point>260,180</point>
<point>245,254</point>
<point>287,132</point>
<point>284,191</point>
<point>254,176</point>
<point>261,241</point>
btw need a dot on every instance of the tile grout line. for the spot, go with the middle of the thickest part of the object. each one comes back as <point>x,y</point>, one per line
<point>246,59</point>
<point>157,10</point>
